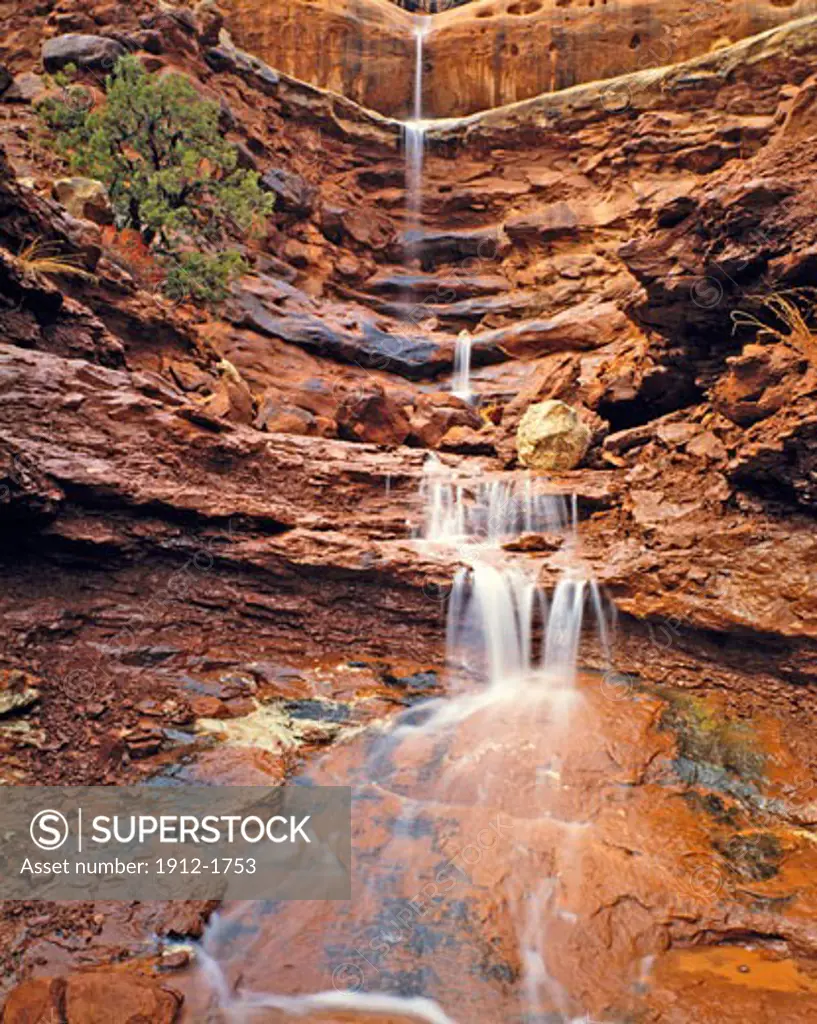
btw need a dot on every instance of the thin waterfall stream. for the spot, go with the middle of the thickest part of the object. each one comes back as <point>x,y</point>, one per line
<point>461,379</point>
<point>414,136</point>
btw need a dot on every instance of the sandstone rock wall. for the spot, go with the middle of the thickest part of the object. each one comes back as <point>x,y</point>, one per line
<point>364,51</point>
<point>492,52</point>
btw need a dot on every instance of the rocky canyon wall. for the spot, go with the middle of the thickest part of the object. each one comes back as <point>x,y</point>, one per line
<point>492,52</point>
<point>209,513</point>
<point>364,51</point>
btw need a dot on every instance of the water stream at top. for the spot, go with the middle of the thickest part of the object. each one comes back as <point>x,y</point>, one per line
<point>414,141</point>
<point>414,133</point>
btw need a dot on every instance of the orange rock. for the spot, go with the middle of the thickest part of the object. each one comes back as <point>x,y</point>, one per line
<point>118,998</point>
<point>208,707</point>
<point>34,1001</point>
<point>238,766</point>
<point>371,414</point>
<point>104,997</point>
<point>435,414</point>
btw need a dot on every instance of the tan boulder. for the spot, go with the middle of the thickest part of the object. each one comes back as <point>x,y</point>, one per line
<point>551,436</point>
<point>84,197</point>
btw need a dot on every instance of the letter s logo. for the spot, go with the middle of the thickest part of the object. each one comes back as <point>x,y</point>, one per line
<point>48,829</point>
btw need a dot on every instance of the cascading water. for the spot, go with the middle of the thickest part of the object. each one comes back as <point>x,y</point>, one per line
<point>461,379</point>
<point>414,136</point>
<point>498,739</point>
<point>512,658</point>
<point>242,1008</point>
<point>502,627</point>
<point>488,511</point>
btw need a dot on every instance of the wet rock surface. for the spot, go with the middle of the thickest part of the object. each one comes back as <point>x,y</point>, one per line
<point>641,861</point>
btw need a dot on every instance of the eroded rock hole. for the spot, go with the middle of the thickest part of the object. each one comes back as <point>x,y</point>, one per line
<point>526,7</point>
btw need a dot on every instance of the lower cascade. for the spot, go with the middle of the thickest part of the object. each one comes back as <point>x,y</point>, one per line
<point>501,620</point>
<point>512,660</point>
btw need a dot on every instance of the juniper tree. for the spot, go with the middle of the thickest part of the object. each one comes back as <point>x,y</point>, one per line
<point>171,174</point>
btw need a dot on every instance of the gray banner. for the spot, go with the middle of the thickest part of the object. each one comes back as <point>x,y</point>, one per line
<point>175,843</point>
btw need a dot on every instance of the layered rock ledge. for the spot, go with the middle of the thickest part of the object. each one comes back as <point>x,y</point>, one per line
<point>490,53</point>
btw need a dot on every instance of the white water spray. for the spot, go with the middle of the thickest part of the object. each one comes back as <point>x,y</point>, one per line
<point>502,628</point>
<point>488,512</point>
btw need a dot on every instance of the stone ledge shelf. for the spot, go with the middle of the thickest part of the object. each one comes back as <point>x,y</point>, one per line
<point>488,53</point>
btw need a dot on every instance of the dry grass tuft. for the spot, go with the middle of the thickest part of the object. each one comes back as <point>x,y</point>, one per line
<point>789,323</point>
<point>39,257</point>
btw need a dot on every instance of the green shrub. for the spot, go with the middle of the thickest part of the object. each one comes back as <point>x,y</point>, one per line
<point>170,173</point>
<point>68,110</point>
<point>205,278</point>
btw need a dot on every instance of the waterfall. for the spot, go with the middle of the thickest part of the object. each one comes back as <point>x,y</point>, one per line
<point>414,135</point>
<point>461,379</point>
<point>414,132</point>
<point>489,511</point>
<point>519,653</point>
<point>512,656</point>
<point>491,619</point>
<point>502,629</point>
<point>500,626</point>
